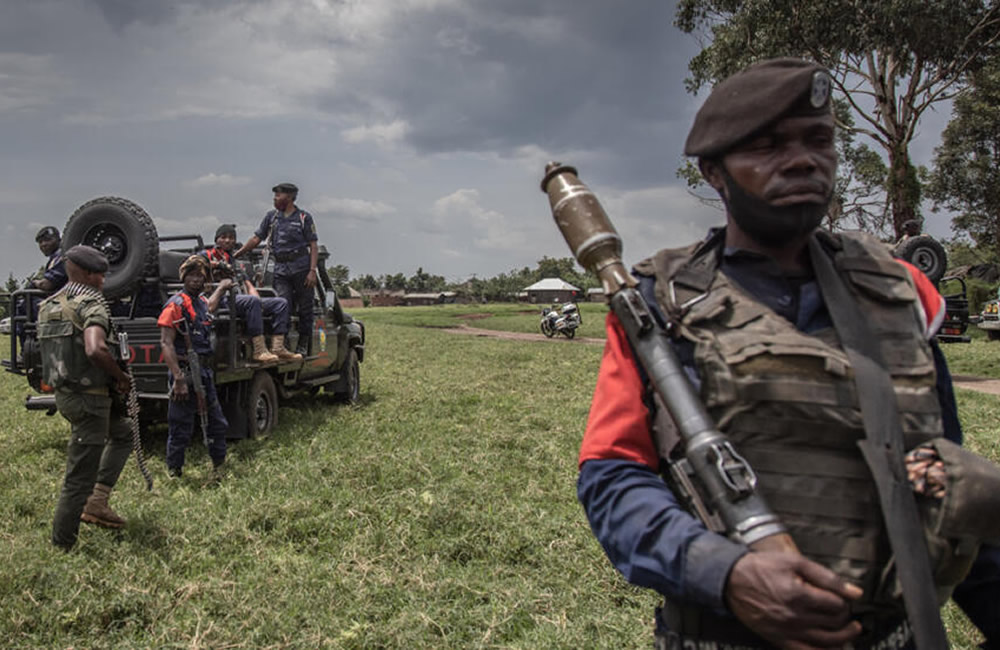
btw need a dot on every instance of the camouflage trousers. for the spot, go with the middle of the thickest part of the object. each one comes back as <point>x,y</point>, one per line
<point>99,445</point>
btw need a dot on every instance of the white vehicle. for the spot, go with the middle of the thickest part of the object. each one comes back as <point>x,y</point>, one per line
<point>5,326</point>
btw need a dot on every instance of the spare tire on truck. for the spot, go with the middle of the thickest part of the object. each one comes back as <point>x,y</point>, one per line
<point>124,233</point>
<point>925,253</point>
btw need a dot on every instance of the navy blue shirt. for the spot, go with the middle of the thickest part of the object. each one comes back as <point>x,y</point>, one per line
<point>290,244</point>
<point>55,270</point>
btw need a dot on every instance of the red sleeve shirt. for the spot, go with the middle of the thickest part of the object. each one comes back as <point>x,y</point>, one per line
<point>618,426</point>
<point>172,312</point>
<point>931,303</point>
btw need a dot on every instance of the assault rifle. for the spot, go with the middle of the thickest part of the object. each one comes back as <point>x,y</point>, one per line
<point>194,380</point>
<point>259,278</point>
<point>711,470</point>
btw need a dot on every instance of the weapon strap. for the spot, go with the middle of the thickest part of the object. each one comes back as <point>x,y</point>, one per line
<point>883,452</point>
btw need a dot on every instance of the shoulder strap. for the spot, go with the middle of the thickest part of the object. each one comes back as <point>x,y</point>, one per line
<point>883,451</point>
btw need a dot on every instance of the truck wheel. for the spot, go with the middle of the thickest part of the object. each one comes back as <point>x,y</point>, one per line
<point>993,335</point>
<point>263,402</point>
<point>349,387</point>
<point>925,253</point>
<point>124,233</point>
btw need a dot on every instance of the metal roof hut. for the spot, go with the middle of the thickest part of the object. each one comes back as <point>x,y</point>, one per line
<point>552,290</point>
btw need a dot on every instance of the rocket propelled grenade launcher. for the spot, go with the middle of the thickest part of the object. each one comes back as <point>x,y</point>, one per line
<point>725,479</point>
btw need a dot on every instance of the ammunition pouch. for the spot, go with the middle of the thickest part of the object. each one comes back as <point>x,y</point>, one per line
<point>956,524</point>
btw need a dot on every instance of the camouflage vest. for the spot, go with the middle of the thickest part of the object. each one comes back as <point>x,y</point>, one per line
<point>788,402</point>
<point>61,321</point>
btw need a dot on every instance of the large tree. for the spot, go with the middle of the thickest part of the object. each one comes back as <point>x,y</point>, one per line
<point>966,176</point>
<point>890,60</point>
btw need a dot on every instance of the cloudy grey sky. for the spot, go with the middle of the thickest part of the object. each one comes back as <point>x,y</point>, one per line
<point>416,130</point>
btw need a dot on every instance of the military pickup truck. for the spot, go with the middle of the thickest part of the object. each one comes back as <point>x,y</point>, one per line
<point>929,255</point>
<point>143,273</point>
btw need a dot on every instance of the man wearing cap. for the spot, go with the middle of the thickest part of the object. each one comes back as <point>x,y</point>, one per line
<point>51,277</point>
<point>250,306</point>
<point>189,312</point>
<point>757,316</point>
<point>292,235</point>
<point>74,330</point>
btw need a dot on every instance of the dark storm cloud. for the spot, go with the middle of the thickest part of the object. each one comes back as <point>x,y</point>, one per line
<point>122,13</point>
<point>503,75</point>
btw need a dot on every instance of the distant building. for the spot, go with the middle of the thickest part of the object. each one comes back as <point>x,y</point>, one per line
<point>552,290</point>
<point>384,297</point>
<point>595,294</point>
<point>353,300</point>
<point>435,298</point>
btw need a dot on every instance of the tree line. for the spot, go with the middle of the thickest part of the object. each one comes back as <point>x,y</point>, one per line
<point>891,62</point>
<point>502,287</point>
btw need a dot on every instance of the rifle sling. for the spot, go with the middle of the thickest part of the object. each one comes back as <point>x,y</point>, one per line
<point>883,452</point>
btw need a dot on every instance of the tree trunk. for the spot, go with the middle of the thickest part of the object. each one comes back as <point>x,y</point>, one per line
<point>903,187</point>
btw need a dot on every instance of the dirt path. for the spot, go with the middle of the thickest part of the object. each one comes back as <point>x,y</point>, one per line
<point>979,384</point>
<point>518,336</point>
<point>968,382</point>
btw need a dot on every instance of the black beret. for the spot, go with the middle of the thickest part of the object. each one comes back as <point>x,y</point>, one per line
<point>196,261</point>
<point>225,228</point>
<point>285,188</point>
<point>88,259</point>
<point>48,232</point>
<point>754,98</point>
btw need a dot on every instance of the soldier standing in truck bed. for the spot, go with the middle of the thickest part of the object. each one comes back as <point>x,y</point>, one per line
<point>74,328</point>
<point>292,234</point>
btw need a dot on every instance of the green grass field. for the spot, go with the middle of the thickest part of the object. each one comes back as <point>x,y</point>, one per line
<point>439,512</point>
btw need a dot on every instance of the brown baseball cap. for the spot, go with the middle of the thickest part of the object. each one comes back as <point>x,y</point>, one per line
<point>757,96</point>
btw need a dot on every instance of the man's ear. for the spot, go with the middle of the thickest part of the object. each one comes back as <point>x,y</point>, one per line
<point>711,170</point>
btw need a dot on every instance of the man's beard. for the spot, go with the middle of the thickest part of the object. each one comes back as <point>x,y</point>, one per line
<point>771,226</point>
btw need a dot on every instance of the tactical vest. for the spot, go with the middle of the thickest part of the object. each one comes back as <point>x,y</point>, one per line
<point>198,322</point>
<point>60,334</point>
<point>788,402</point>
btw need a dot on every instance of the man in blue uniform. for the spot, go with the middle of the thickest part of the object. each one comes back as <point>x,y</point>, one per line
<point>51,277</point>
<point>763,343</point>
<point>250,306</point>
<point>291,233</point>
<point>188,315</point>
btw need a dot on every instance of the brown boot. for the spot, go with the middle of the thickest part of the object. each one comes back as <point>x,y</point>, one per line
<point>97,511</point>
<point>278,349</point>
<point>260,353</point>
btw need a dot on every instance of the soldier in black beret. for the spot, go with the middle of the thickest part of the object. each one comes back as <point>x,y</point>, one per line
<point>803,343</point>
<point>76,339</point>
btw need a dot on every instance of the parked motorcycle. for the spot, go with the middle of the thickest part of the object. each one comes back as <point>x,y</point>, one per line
<point>564,320</point>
